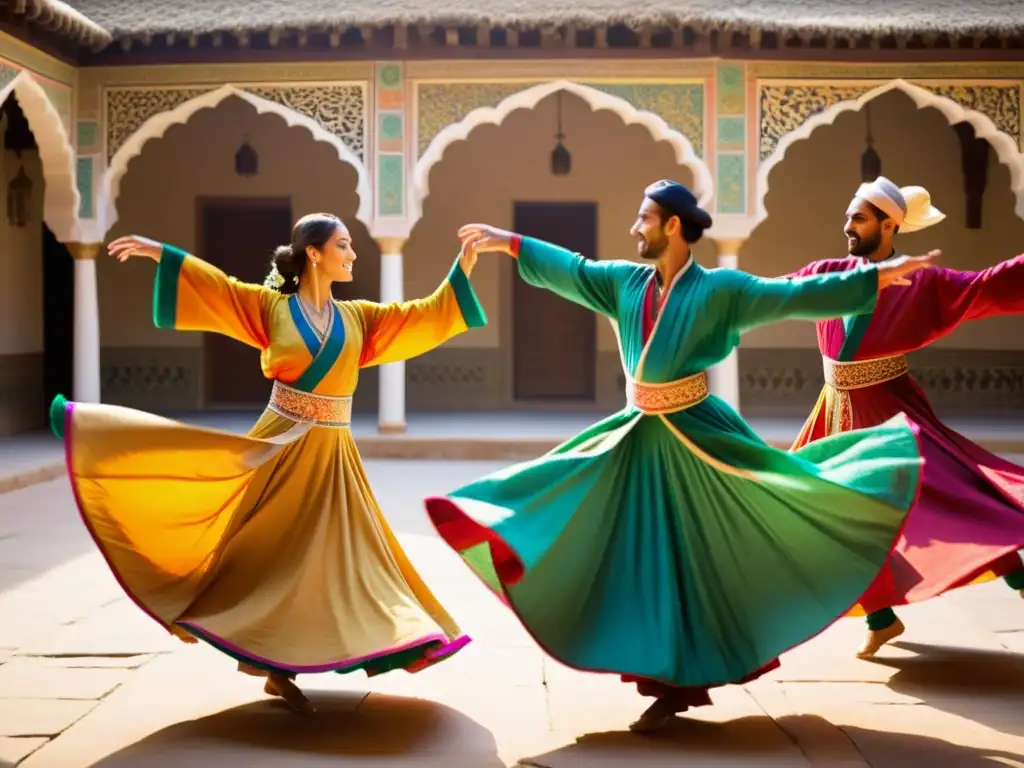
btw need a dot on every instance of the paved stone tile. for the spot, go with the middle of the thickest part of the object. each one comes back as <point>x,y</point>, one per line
<point>14,750</point>
<point>116,629</point>
<point>26,678</point>
<point>40,717</point>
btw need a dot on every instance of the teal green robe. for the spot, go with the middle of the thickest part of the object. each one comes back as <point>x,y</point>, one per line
<point>682,548</point>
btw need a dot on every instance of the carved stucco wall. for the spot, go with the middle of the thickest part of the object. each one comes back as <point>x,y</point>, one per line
<point>680,105</point>
<point>784,107</point>
<point>339,108</point>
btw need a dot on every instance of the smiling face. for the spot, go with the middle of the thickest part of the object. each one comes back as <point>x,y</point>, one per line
<point>336,258</point>
<point>867,230</point>
<point>649,230</point>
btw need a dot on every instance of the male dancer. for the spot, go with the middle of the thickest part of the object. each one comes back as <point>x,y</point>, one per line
<point>668,543</point>
<point>969,523</point>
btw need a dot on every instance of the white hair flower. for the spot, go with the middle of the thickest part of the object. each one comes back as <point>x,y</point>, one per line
<point>274,279</point>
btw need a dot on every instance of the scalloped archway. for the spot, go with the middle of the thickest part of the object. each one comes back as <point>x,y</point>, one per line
<point>157,125</point>
<point>528,98</point>
<point>1004,145</point>
<point>57,155</point>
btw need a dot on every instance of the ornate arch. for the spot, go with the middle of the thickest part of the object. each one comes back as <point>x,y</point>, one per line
<point>57,155</point>
<point>157,125</point>
<point>528,98</point>
<point>1005,146</point>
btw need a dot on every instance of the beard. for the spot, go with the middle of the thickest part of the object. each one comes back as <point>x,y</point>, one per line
<point>651,249</point>
<point>863,246</point>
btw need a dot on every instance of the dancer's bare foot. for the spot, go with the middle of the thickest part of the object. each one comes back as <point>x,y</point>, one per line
<point>879,637</point>
<point>278,685</point>
<point>658,715</point>
<point>1021,591</point>
<point>183,635</point>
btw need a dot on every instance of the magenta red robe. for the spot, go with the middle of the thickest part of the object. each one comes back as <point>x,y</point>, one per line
<point>969,522</point>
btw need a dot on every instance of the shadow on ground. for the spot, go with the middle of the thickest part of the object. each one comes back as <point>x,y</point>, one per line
<point>361,730</point>
<point>985,686</point>
<point>746,742</point>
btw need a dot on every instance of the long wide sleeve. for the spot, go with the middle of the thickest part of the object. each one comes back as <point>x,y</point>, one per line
<point>403,330</point>
<point>190,294</point>
<point>825,266</point>
<point>592,284</point>
<point>955,296</point>
<point>760,301</point>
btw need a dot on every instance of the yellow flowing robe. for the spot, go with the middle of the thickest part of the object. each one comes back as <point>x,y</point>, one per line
<point>270,546</point>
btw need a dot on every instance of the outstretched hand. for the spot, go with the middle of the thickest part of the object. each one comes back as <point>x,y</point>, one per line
<point>133,245</point>
<point>467,259</point>
<point>895,272</point>
<point>483,237</point>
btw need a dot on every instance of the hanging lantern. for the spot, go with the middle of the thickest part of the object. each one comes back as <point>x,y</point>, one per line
<point>561,160</point>
<point>870,161</point>
<point>247,162</point>
<point>19,199</point>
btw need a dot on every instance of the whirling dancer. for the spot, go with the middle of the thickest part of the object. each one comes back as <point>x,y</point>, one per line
<point>669,543</point>
<point>270,546</point>
<point>969,524</point>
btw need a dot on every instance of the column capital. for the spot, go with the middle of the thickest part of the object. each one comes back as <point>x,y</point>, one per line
<point>84,251</point>
<point>729,245</point>
<point>390,244</point>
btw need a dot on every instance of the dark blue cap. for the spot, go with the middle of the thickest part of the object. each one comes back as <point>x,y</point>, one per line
<point>678,201</point>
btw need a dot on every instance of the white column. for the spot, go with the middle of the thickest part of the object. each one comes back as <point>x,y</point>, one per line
<point>87,323</point>
<point>391,406</point>
<point>724,378</point>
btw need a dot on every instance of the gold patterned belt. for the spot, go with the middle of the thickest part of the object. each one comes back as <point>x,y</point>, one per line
<point>672,396</point>
<point>864,373</point>
<point>322,410</point>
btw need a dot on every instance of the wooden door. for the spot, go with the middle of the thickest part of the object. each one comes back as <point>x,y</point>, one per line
<point>239,236</point>
<point>554,340</point>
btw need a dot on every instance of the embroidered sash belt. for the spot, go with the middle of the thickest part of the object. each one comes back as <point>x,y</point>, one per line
<point>672,396</point>
<point>322,410</point>
<point>864,373</point>
<point>842,377</point>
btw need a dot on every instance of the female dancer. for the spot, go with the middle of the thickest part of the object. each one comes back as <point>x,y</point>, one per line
<point>271,546</point>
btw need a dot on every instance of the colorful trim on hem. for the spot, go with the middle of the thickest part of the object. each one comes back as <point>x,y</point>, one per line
<point>419,655</point>
<point>165,286</point>
<point>462,533</point>
<point>411,657</point>
<point>472,311</point>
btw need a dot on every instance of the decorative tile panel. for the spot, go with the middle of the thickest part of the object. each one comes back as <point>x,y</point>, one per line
<point>784,108</point>
<point>390,139</point>
<point>87,136</point>
<point>390,177</point>
<point>731,91</point>
<point>732,133</point>
<point>680,105</point>
<point>84,181</point>
<point>731,183</point>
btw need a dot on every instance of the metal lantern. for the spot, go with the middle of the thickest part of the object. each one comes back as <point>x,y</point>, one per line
<point>247,162</point>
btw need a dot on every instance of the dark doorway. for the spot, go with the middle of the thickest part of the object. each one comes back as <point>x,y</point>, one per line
<point>554,340</point>
<point>58,319</point>
<point>239,235</point>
